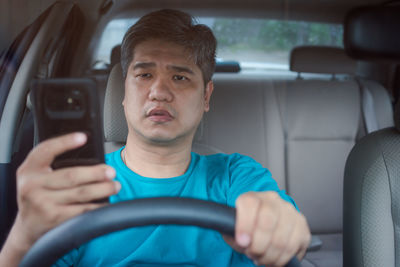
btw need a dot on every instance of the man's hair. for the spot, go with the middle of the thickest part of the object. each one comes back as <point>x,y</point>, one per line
<point>177,27</point>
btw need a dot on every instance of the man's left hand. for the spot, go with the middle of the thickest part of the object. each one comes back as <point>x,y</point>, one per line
<point>269,230</point>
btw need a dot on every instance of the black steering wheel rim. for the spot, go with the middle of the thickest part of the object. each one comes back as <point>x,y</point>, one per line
<point>139,212</point>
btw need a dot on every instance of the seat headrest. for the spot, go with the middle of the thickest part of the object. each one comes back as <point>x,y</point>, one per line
<point>321,59</point>
<point>115,55</point>
<point>115,127</point>
<point>372,33</point>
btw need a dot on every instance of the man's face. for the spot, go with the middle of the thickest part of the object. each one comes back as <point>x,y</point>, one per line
<point>165,95</point>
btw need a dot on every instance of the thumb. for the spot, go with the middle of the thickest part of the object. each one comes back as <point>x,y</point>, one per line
<point>232,243</point>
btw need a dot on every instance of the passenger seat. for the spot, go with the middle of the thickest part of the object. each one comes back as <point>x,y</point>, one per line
<point>322,120</point>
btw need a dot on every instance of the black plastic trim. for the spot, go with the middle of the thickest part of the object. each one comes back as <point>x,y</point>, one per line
<point>372,33</point>
<point>7,200</point>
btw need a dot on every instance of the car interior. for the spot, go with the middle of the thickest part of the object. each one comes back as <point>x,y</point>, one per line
<point>301,125</point>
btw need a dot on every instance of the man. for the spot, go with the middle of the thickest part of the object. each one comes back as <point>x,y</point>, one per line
<point>167,63</point>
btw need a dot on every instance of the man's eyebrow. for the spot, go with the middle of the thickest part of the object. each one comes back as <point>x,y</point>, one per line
<point>143,65</point>
<point>181,69</point>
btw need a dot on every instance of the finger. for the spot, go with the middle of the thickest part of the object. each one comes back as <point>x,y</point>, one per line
<point>302,251</point>
<point>86,193</point>
<point>247,206</point>
<point>305,236</point>
<point>44,153</point>
<point>266,225</point>
<point>281,235</point>
<point>75,176</point>
<point>295,245</point>
<point>231,242</point>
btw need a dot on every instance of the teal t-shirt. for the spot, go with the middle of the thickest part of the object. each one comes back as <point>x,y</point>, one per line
<point>220,178</point>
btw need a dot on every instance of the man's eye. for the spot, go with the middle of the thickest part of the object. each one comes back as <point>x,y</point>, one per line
<point>144,75</point>
<point>180,78</point>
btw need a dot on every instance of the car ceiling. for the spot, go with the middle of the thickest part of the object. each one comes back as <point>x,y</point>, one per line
<point>98,13</point>
<point>14,19</point>
<point>309,10</point>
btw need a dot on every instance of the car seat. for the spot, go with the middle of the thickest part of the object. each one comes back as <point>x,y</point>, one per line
<point>371,204</point>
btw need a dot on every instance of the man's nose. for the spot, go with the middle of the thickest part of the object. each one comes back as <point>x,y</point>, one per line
<point>160,91</point>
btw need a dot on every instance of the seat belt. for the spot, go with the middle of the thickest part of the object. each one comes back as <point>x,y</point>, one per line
<point>367,108</point>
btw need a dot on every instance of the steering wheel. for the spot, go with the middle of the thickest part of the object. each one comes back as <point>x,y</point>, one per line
<point>140,212</point>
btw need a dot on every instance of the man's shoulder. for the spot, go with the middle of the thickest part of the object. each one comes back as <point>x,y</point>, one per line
<point>113,158</point>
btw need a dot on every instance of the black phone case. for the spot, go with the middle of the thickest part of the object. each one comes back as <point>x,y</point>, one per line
<point>63,106</point>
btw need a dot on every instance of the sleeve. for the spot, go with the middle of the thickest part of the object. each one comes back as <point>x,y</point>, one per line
<point>248,175</point>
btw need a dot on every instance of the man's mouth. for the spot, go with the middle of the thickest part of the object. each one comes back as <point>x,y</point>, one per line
<point>159,115</point>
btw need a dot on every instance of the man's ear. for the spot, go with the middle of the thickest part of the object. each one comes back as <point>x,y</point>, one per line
<point>207,95</point>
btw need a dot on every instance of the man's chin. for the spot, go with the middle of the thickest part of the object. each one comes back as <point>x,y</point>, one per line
<point>163,140</point>
<point>167,140</point>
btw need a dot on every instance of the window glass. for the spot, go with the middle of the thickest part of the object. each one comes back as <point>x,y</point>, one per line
<point>257,44</point>
<point>111,37</point>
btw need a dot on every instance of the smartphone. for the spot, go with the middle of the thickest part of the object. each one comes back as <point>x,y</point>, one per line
<point>67,105</point>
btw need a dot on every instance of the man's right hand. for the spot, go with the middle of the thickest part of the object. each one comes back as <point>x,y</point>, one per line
<point>48,197</point>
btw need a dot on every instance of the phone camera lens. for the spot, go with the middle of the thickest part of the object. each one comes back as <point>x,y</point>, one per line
<point>76,92</point>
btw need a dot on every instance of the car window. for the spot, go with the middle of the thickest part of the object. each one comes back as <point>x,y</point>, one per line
<point>111,37</point>
<point>257,44</point>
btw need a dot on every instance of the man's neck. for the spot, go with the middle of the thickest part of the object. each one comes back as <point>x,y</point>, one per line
<point>155,161</point>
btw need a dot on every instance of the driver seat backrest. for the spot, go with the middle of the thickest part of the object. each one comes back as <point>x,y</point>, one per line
<point>115,127</point>
<point>371,211</point>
